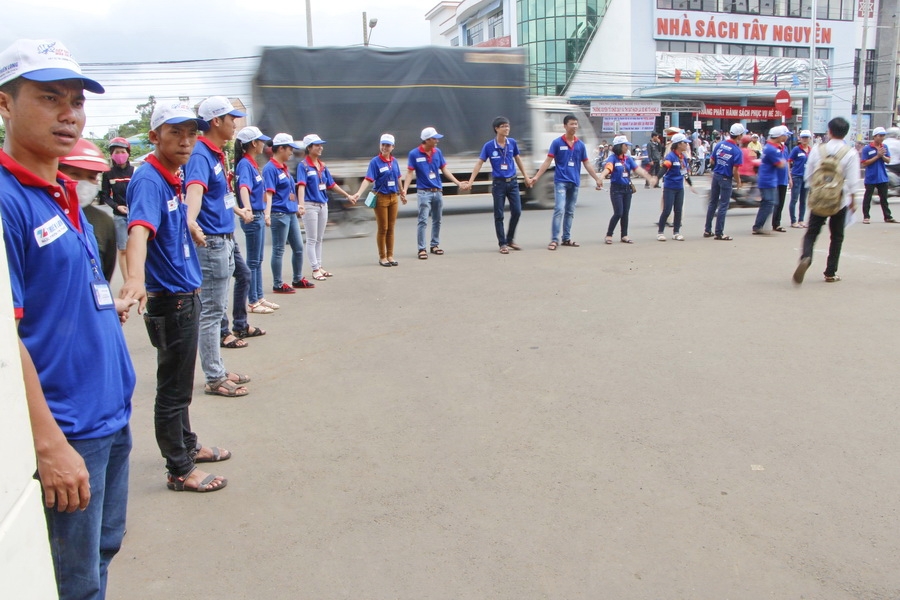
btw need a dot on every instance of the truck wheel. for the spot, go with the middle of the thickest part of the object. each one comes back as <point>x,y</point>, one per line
<point>541,196</point>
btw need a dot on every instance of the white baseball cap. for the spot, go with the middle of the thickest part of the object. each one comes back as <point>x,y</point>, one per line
<point>806,133</point>
<point>430,132</point>
<point>879,131</point>
<point>217,106</point>
<point>621,139</point>
<point>778,131</point>
<point>737,129</point>
<point>172,113</point>
<point>678,138</point>
<point>248,134</point>
<point>755,136</point>
<point>42,60</point>
<point>310,139</point>
<point>387,138</point>
<point>285,139</point>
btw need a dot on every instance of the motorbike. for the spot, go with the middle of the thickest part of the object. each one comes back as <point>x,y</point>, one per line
<point>747,196</point>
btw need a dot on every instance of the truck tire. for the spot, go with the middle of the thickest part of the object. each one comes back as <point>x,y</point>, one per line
<point>541,195</point>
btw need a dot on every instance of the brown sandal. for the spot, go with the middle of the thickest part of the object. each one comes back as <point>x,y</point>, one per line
<point>552,246</point>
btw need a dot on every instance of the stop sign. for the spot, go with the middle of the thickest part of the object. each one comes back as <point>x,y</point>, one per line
<point>783,103</point>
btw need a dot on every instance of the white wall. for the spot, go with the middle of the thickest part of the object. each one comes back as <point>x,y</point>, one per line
<point>26,572</point>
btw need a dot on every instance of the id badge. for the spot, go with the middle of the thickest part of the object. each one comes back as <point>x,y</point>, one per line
<point>392,184</point>
<point>230,200</point>
<point>103,298</point>
<point>187,250</point>
<point>322,187</point>
<point>504,167</point>
<point>432,175</point>
<point>571,163</point>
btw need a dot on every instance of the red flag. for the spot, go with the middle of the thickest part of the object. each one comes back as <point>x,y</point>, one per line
<point>755,71</point>
<point>677,75</point>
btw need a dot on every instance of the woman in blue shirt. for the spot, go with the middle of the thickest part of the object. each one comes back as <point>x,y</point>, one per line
<point>677,172</point>
<point>797,160</point>
<point>384,175</point>
<point>619,165</point>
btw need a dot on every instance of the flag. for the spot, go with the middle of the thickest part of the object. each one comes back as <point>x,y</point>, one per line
<point>697,76</point>
<point>795,81</point>
<point>719,78</point>
<point>677,75</point>
<point>755,71</point>
<point>776,79</point>
<point>828,82</point>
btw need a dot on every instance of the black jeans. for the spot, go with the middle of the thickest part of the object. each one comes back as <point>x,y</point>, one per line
<point>779,208</point>
<point>836,226</point>
<point>620,196</point>
<point>241,294</point>
<point>882,196</point>
<point>173,323</point>
<point>501,190</point>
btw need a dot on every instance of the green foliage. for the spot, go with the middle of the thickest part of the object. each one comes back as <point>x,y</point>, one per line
<point>141,125</point>
<point>2,134</point>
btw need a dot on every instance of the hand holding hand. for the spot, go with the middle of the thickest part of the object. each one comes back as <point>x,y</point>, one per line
<point>133,292</point>
<point>197,234</point>
<point>353,198</point>
<point>123,308</point>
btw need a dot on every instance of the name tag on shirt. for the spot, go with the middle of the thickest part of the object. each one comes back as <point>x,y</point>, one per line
<point>217,169</point>
<point>392,183</point>
<point>259,177</point>
<point>50,231</point>
<point>172,204</point>
<point>383,169</point>
<point>571,163</point>
<point>282,176</point>
<point>432,175</point>
<point>322,186</point>
<point>187,250</point>
<point>230,200</point>
<point>420,159</point>
<point>504,167</point>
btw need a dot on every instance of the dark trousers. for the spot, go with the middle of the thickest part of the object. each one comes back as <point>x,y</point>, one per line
<point>620,196</point>
<point>882,196</point>
<point>241,294</point>
<point>502,191</point>
<point>779,208</point>
<point>836,226</point>
<point>672,199</point>
<point>719,198</point>
<point>173,323</point>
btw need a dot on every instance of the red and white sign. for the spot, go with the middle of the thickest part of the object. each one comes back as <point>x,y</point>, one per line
<point>625,108</point>
<point>713,27</point>
<point>864,6</point>
<point>783,103</point>
<point>628,124</point>
<point>723,111</point>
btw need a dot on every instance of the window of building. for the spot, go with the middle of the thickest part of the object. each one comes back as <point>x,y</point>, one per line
<point>835,10</point>
<point>474,34</point>
<point>454,41</point>
<point>495,25</point>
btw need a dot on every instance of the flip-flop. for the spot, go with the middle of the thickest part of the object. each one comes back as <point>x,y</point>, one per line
<point>627,240</point>
<point>232,390</point>
<point>176,484</point>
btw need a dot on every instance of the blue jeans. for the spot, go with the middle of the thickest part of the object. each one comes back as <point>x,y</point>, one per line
<point>217,266</point>
<point>241,288</point>
<point>255,241</point>
<point>566,196</point>
<point>798,193</point>
<point>286,228</point>
<point>431,204</point>
<point>766,207</point>
<point>83,543</point>
<point>502,189</point>
<point>672,199</point>
<point>173,324</point>
<point>620,196</point>
<point>719,197</point>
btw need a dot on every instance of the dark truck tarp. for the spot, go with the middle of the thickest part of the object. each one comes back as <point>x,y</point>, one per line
<point>350,96</point>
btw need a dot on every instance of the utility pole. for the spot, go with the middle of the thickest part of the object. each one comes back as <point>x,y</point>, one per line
<point>861,83</point>
<point>811,101</point>
<point>365,30</point>
<point>309,40</point>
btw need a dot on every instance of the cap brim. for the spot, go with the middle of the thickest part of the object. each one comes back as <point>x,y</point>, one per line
<point>45,75</point>
<point>294,145</point>
<point>97,166</point>
<point>236,113</point>
<point>201,124</point>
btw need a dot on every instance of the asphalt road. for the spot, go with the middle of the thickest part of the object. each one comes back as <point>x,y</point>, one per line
<point>657,420</point>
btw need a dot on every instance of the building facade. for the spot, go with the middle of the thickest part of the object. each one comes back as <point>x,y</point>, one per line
<point>689,61</point>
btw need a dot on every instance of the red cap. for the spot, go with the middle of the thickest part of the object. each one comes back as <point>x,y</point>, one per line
<point>86,155</point>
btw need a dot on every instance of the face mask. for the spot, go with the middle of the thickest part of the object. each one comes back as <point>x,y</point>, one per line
<point>87,192</point>
<point>120,158</point>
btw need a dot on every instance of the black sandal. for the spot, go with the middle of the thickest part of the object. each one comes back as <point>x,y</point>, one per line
<point>249,332</point>
<point>423,255</point>
<point>570,243</point>
<point>436,250</point>
<point>723,237</point>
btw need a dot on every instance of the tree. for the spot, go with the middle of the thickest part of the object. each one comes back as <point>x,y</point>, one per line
<point>141,125</point>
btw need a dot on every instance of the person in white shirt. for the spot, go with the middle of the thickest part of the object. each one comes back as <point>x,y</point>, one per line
<point>892,141</point>
<point>837,130</point>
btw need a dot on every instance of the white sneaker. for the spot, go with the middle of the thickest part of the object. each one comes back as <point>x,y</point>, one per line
<point>678,237</point>
<point>661,237</point>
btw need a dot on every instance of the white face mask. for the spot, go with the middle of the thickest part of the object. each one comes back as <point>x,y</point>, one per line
<point>87,192</point>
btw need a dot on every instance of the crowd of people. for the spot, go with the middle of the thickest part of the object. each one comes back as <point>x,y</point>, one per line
<point>172,232</point>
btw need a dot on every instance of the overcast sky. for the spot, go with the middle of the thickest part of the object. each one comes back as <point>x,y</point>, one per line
<point>99,32</point>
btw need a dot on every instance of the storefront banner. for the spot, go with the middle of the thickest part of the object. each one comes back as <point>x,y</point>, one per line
<point>740,29</point>
<point>628,124</point>
<point>625,108</point>
<point>722,111</point>
<point>738,70</point>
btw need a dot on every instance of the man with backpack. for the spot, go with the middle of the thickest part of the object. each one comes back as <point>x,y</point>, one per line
<point>832,176</point>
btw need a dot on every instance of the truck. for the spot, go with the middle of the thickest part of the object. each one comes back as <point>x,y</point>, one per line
<point>350,96</point>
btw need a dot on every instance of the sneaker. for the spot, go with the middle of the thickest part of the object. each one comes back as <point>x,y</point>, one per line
<point>303,283</point>
<point>284,289</point>
<point>800,271</point>
<point>661,237</point>
<point>678,237</point>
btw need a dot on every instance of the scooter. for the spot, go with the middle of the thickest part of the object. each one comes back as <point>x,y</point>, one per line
<point>747,196</point>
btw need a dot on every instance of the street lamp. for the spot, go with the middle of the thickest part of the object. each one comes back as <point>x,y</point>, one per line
<point>368,26</point>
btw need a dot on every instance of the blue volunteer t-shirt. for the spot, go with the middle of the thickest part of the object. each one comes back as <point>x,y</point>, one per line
<point>568,160</point>
<point>783,173</point>
<point>155,201</point>
<point>502,158</point>
<point>207,168</point>
<point>384,175</point>
<point>278,181</point>
<point>797,160</point>
<point>620,168</point>
<point>316,180</point>
<point>78,349</point>
<point>725,157</point>
<point>876,172</point>
<point>427,167</point>
<point>249,178</point>
<point>771,162</point>
<point>676,169</point>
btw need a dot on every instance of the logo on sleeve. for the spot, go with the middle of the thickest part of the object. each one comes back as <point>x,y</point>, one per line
<point>50,231</point>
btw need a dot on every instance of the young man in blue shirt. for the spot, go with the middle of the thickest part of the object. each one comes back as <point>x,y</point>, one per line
<point>874,158</point>
<point>427,163</point>
<point>502,152</point>
<point>569,153</point>
<point>66,318</point>
<point>165,273</point>
<point>771,165</point>
<point>726,159</point>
